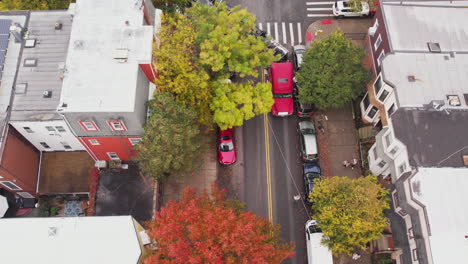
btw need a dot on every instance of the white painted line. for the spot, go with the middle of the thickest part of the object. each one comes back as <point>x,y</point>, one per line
<point>285,41</point>
<point>318,9</point>
<point>276,31</point>
<point>319,15</point>
<point>268,29</point>
<point>319,3</point>
<point>291,33</point>
<point>260,26</point>
<point>299,30</point>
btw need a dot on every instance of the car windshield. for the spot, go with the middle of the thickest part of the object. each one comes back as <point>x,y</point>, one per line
<point>308,131</point>
<point>288,95</point>
<point>226,147</point>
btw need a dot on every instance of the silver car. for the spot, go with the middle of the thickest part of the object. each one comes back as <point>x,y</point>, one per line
<point>298,53</point>
<point>308,141</point>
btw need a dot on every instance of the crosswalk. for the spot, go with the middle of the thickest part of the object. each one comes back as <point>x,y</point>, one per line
<point>319,9</point>
<point>283,32</point>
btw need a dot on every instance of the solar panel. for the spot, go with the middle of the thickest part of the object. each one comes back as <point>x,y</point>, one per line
<point>3,44</point>
<point>5,26</point>
<point>2,57</point>
<point>4,37</point>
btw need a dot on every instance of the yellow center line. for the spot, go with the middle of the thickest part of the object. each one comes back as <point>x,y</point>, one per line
<point>267,161</point>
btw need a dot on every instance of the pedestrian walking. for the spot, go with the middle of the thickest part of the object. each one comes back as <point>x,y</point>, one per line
<point>346,163</point>
<point>353,163</point>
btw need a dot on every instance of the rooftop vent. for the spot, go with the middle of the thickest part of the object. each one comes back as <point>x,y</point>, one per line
<point>434,47</point>
<point>411,78</point>
<point>453,100</point>
<point>78,44</point>
<point>52,231</point>
<point>47,94</point>
<point>30,62</point>
<point>120,54</point>
<point>20,88</point>
<point>30,43</point>
<point>452,54</point>
<point>58,25</point>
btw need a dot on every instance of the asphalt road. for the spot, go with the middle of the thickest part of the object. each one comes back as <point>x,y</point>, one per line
<point>268,174</point>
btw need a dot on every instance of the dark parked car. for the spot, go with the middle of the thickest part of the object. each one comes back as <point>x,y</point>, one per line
<point>311,174</point>
<point>302,109</point>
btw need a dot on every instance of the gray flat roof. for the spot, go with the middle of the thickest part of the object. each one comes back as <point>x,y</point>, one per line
<point>411,25</point>
<point>436,77</point>
<point>433,139</point>
<point>50,52</point>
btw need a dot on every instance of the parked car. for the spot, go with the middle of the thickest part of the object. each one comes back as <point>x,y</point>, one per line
<point>302,109</point>
<point>343,9</point>
<point>226,147</point>
<point>298,52</point>
<point>317,253</point>
<point>311,174</point>
<point>273,44</point>
<point>281,75</point>
<point>308,141</point>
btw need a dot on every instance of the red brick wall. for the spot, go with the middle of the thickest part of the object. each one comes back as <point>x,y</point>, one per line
<point>20,162</point>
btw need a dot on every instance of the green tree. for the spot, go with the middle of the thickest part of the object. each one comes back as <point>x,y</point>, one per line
<point>332,74</point>
<point>233,103</point>
<point>179,70</point>
<point>350,211</point>
<point>171,141</point>
<point>34,4</point>
<point>172,6</point>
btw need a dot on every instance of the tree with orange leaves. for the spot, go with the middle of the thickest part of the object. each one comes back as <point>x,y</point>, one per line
<point>209,229</point>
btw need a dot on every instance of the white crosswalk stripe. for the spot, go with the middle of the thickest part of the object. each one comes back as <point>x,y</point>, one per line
<point>319,9</point>
<point>284,33</point>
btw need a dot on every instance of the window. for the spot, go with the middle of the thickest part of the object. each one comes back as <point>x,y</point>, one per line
<point>372,112</point>
<point>88,125</point>
<point>134,141</point>
<point>10,185</point>
<point>383,96</point>
<point>366,102</point>
<point>402,168</point>
<point>453,100</point>
<point>380,58</point>
<point>283,80</point>
<point>396,203</point>
<point>377,42</point>
<point>30,62</point>
<point>394,151</point>
<point>388,139</point>
<point>382,164</point>
<point>66,145</point>
<point>44,145</point>
<point>93,142</point>
<point>377,85</point>
<point>50,128</point>
<point>410,233</point>
<point>28,129</point>
<point>117,125</point>
<point>391,110</point>
<point>113,155</point>
<point>374,151</point>
<point>25,194</point>
<point>60,129</point>
<point>415,254</point>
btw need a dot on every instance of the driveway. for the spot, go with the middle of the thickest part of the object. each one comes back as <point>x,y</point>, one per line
<point>125,192</point>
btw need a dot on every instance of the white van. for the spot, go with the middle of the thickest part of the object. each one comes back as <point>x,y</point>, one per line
<point>316,252</point>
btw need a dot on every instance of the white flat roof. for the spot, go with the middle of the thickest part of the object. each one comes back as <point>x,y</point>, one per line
<point>443,192</point>
<point>410,26</point>
<point>437,76</point>
<point>76,240</point>
<point>94,80</point>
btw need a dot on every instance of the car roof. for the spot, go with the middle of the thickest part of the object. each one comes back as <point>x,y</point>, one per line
<point>310,142</point>
<point>282,70</point>
<point>306,125</point>
<point>299,47</point>
<point>311,167</point>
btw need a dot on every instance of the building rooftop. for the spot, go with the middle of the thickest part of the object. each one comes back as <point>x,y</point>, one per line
<point>419,78</point>
<point>73,240</point>
<point>443,193</point>
<point>412,25</point>
<point>432,138</point>
<point>104,30</point>
<point>45,74</point>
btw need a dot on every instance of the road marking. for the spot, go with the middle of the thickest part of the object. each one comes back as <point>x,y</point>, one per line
<point>268,29</point>
<point>276,31</point>
<point>319,9</point>
<point>319,15</point>
<point>285,41</point>
<point>319,3</point>
<point>291,33</point>
<point>267,161</point>
<point>260,26</point>
<point>299,32</point>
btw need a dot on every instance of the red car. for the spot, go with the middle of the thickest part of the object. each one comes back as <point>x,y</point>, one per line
<point>281,75</point>
<point>226,149</point>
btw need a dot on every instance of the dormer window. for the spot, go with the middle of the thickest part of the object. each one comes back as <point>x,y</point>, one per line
<point>117,125</point>
<point>89,125</point>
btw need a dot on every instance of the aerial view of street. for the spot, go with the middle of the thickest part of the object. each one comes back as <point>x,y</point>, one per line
<point>233,131</point>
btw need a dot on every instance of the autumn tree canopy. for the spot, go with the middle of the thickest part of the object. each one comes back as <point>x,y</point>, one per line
<point>350,211</point>
<point>197,54</point>
<point>34,4</point>
<point>200,229</point>
<point>171,141</point>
